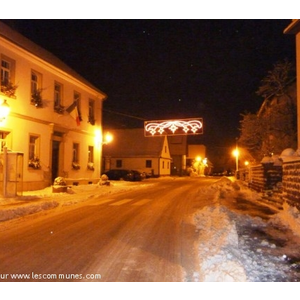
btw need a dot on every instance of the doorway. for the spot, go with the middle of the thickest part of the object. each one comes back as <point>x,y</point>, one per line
<point>55,159</point>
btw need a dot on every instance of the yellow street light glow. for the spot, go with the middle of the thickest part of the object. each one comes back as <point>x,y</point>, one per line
<point>108,138</point>
<point>235,152</point>
<point>4,110</point>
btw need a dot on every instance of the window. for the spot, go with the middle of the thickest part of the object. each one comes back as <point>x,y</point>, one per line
<point>92,112</point>
<point>5,140</point>
<point>58,98</point>
<point>119,163</point>
<point>36,89</point>
<point>91,158</point>
<point>5,72</point>
<point>148,163</point>
<point>163,164</point>
<point>34,152</point>
<point>75,159</point>
<point>7,76</point>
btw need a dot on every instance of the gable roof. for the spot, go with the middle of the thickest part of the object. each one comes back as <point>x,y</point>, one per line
<point>133,143</point>
<point>18,39</point>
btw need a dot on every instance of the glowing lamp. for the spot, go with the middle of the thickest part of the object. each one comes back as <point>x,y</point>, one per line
<point>235,153</point>
<point>107,138</point>
<point>4,110</point>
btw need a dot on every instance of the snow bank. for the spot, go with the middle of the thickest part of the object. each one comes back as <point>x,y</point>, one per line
<point>227,249</point>
<point>218,246</point>
<point>289,217</point>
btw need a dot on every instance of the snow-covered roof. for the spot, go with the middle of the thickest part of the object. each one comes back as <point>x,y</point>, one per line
<point>133,143</point>
<point>18,39</point>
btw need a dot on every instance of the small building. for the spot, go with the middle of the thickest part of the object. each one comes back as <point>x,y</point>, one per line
<point>130,149</point>
<point>178,150</point>
<point>55,118</point>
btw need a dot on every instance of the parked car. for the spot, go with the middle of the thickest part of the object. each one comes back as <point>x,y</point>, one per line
<point>121,174</point>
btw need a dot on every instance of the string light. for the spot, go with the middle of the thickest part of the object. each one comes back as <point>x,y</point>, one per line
<point>172,127</point>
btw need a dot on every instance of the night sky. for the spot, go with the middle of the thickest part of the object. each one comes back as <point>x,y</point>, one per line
<point>164,69</point>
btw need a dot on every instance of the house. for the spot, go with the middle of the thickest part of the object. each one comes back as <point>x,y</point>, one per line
<point>178,150</point>
<point>55,119</point>
<point>130,149</point>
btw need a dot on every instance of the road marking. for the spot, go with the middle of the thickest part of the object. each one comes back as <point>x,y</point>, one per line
<point>121,202</point>
<point>142,202</point>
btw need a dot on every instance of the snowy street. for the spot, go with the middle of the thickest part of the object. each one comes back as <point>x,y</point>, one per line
<point>187,229</point>
<point>204,230</point>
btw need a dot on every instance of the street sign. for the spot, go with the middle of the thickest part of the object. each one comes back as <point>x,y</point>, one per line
<point>173,127</point>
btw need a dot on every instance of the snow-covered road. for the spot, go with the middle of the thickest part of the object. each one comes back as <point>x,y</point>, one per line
<point>240,238</point>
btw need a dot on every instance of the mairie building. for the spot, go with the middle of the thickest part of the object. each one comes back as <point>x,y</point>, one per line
<point>50,118</point>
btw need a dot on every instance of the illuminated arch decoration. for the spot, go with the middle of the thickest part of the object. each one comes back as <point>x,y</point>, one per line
<point>173,127</point>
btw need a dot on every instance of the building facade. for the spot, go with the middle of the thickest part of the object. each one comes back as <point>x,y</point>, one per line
<point>130,149</point>
<point>55,117</point>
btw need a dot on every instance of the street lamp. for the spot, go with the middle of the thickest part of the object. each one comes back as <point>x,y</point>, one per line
<point>108,137</point>
<point>236,155</point>
<point>4,110</point>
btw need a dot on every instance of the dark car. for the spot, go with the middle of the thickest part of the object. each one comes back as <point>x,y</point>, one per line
<point>121,174</point>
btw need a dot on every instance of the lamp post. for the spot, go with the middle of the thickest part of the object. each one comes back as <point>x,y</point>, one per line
<point>236,155</point>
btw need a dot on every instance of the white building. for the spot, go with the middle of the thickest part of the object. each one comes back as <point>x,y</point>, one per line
<point>55,118</point>
<point>130,149</point>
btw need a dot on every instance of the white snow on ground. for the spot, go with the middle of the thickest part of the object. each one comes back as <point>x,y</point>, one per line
<point>228,256</point>
<point>226,250</point>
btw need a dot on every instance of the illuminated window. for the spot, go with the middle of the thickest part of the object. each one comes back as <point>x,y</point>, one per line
<point>58,97</point>
<point>119,163</point>
<point>92,112</point>
<point>91,158</point>
<point>5,72</point>
<point>75,153</point>
<point>36,89</point>
<point>33,146</point>
<point>34,151</point>
<point>148,163</point>
<point>91,154</point>
<point>5,139</point>
<point>7,76</point>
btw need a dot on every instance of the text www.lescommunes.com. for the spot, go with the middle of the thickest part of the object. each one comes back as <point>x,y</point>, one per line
<point>36,276</point>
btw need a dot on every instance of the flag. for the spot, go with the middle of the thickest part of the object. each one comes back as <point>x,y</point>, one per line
<point>74,113</point>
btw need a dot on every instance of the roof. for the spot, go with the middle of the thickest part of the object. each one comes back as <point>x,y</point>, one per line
<point>293,28</point>
<point>18,39</point>
<point>133,143</point>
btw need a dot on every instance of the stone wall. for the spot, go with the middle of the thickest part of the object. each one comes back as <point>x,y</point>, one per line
<point>262,177</point>
<point>291,182</point>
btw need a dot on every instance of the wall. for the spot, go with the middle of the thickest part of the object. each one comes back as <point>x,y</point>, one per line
<point>291,182</point>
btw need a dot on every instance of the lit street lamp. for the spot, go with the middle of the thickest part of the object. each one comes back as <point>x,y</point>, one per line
<point>4,110</point>
<point>236,155</point>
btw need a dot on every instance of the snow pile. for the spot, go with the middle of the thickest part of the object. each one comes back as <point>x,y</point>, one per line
<point>218,246</point>
<point>234,246</point>
<point>289,217</point>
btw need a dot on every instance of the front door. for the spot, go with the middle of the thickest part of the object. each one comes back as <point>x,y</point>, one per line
<point>55,159</point>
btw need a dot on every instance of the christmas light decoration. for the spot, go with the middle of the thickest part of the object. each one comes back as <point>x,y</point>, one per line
<point>173,127</point>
